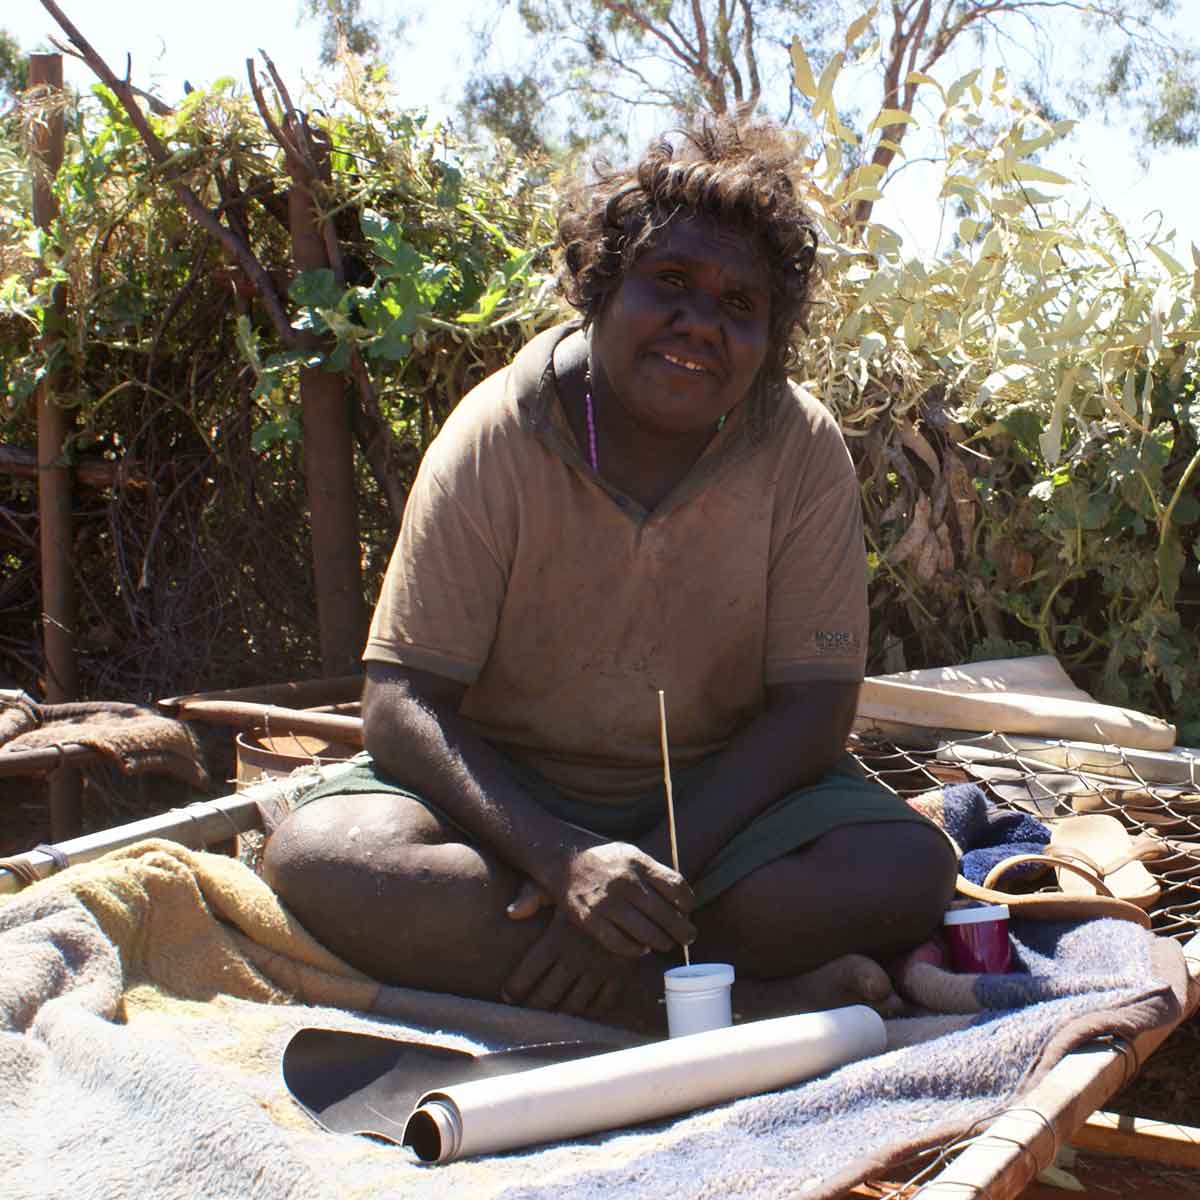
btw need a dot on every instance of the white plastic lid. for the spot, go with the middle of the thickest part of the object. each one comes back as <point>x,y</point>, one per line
<point>698,976</point>
<point>974,916</point>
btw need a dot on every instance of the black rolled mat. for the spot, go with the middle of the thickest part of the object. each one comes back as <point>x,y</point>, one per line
<point>361,1083</point>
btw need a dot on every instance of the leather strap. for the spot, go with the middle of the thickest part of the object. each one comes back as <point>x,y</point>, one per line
<point>26,872</point>
<point>1062,864</point>
<point>21,869</point>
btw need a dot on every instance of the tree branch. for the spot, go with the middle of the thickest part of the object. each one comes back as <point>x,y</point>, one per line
<point>88,470</point>
<point>751,56</point>
<point>236,247</point>
<point>688,56</point>
<point>725,51</point>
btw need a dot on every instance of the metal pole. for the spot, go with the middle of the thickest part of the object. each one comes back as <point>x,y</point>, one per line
<point>329,471</point>
<point>54,480</point>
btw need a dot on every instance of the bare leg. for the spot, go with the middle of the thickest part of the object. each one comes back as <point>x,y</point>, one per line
<point>807,931</point>
<point>393,890</point>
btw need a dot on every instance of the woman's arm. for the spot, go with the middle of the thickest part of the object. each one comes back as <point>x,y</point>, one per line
<point>792,743</point>
<point>623,898</point>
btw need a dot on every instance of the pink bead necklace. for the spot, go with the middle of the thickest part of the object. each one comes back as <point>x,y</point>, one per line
<point>591,426</point>
<point>590,413</point>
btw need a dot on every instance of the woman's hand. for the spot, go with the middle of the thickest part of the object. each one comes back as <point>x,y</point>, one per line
<point>566,971</point>
<point>625,900</point>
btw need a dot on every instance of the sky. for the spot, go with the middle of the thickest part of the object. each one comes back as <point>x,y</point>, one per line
<point>171,43</point>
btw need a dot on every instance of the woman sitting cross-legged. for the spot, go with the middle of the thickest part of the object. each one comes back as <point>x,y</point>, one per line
<point>639,501</point>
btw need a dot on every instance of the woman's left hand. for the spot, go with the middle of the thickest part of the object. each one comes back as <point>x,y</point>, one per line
<point>567,971</point>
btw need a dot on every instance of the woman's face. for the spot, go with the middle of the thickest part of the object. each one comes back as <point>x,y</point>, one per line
<point>681,339</point>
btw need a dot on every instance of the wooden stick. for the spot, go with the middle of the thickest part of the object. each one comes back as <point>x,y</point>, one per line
<point>305,693</point>
<point>666,759</point>
<point>46,759</point>
<point>338,727</point>
<point>198,825</point>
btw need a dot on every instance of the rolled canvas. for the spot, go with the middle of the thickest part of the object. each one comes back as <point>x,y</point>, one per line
<point>626,1087</point>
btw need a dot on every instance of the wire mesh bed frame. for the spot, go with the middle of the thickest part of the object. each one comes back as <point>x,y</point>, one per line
<point>1155,792</point>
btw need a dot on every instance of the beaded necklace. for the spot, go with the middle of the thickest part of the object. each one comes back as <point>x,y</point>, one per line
<point>590,413</point>
<point>591,426</point>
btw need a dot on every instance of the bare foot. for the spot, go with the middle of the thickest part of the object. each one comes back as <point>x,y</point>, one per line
<point>851,979</point>
<point>933,952</point>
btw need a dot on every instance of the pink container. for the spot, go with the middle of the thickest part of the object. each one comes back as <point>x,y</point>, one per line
<point>978,939</point>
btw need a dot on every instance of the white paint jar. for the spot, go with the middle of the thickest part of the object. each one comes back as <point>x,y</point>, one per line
<point>699,998</point>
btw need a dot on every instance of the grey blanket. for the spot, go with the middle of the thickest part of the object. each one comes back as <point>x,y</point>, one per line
<point>145,1002</point>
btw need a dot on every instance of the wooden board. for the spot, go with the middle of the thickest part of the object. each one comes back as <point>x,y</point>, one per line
<point>1141,1138</point>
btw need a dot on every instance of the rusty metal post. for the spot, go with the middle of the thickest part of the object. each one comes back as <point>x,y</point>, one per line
<point>54,480</point>
<point>329,475</point>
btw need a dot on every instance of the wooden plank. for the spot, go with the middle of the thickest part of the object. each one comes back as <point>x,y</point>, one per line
<point>1140,1137</point>
<point>1024,1139</point>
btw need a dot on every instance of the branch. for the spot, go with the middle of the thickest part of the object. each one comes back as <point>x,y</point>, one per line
<point>904,44</point>
<point>88,471</point>
<point>725,51</point>
<point>157,107</point>
<point>751,56</point>
<point>301,155</point>
<point>234,245</point>
<point>669,98</point>
<point>678,48</point>
<point>701,32</point>
<point>688,56</point>
<point>284,141</point>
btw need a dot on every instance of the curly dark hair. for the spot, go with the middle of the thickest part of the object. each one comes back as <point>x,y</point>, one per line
<point>737,174</point>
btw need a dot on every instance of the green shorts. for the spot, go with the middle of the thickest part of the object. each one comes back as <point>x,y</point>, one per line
<point>843,797</point>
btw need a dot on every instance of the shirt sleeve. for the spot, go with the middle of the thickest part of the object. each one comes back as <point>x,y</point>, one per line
<point>817,618</point>
<point>445,584</point>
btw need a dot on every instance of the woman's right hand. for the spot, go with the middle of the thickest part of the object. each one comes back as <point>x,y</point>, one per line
<point>627,901</point>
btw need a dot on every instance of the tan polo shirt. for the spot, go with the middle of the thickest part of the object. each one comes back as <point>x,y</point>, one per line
<point>565,606</point>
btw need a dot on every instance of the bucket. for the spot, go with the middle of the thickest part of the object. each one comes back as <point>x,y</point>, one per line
<point>273,756</point>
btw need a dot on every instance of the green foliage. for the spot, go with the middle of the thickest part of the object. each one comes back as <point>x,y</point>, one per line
<point>1024,414</point>
<point>14,65</point>
<point>197,573</point>
<point>1023,410</point>
<point>347,28</point>
<point>507,107</point>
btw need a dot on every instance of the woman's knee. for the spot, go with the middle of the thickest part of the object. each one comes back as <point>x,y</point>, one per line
<point>320,848</point>
<point>913,868</point>
<point>876,889</point>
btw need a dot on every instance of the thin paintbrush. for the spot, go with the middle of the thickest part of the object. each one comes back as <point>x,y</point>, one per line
<point>666,759</point>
